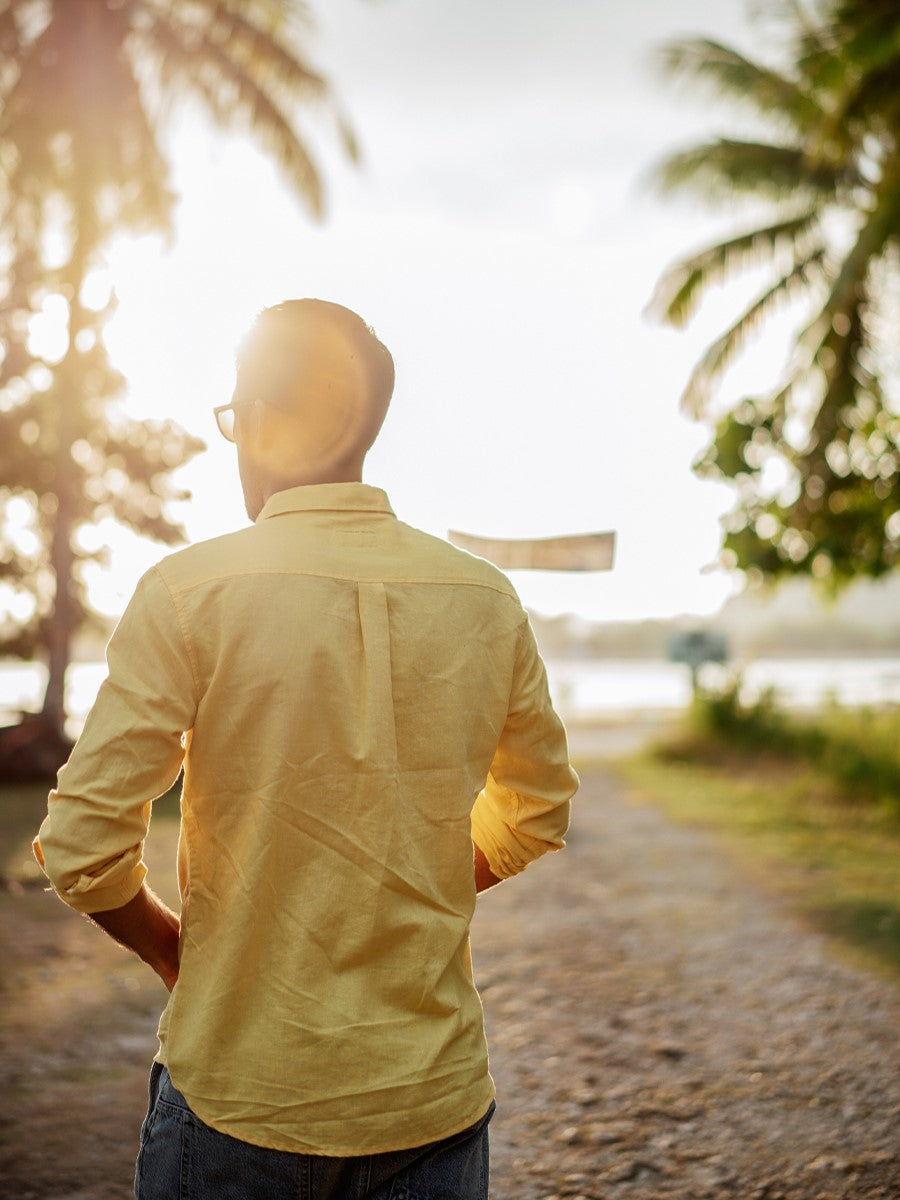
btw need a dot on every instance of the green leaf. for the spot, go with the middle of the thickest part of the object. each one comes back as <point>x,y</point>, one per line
<point>720,170</point>
<point>682,286</point>
<point>734,76</point>
<point>722,351</point>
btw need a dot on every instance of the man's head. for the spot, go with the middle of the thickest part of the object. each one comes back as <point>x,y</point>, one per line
<point>313,387</point>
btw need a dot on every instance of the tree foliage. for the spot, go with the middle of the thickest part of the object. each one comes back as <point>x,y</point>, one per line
<point>84,90</point>
<point>827,179</point>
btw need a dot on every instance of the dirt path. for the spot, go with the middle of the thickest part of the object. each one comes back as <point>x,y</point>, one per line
<point>658,1027</point>
<point>661,1029</point>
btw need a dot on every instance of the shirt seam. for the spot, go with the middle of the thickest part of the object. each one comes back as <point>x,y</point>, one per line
<point>523,626</point>
<point>433,581</point>
<point>182,628</point>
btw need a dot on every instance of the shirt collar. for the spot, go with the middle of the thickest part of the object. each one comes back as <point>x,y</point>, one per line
<point>327,497</point>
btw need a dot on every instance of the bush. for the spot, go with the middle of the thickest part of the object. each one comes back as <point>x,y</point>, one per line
<point>859,748</point>
<point>723,714</point>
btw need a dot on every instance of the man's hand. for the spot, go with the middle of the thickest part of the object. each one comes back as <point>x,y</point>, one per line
<point>484,876</point>
<point>146,926</point>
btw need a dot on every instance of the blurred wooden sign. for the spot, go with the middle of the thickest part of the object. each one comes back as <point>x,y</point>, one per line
<point>573,552</point>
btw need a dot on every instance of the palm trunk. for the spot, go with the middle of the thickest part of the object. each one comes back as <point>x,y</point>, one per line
<point>64,617</point>
<point>60,626</point>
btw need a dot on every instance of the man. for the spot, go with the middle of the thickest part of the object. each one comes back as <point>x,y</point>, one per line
<point>367,741</point>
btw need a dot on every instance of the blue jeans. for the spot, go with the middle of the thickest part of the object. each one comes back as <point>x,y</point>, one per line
<point>181,1158</point>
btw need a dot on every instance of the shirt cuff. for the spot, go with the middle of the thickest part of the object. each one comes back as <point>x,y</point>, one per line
<point>98,893</point>
<point>507,851</point>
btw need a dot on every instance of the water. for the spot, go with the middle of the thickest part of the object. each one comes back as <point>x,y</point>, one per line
<point>22,689</point>
<point>582,688</point>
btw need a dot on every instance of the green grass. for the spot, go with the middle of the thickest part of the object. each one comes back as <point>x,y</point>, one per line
<point>831,854</point>
<point>22,808</point>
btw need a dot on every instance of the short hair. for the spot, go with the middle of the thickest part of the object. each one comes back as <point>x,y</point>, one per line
<point>376,359</point>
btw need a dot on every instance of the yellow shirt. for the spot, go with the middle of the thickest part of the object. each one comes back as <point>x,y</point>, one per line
<point>354,702</point>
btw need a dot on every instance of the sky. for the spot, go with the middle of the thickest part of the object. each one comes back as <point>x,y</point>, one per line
<point>499,237</point>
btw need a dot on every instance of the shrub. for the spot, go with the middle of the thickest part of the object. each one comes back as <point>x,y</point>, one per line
<point>859,748</point>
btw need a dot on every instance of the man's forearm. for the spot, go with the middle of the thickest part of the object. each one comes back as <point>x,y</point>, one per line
<point>146,926</point>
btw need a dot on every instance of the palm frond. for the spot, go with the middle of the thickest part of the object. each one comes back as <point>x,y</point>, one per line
<point>264,56</point>
<point>272,15</point>
<point>720,354</point>
<point>151,200</point>
<point>725,168</point>
<point>251,34</point>
<point>732,75</point>
<point>347,136</point>
<point>681,288</point>
<point>200,65</point>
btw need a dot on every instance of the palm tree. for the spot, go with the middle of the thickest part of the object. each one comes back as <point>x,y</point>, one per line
<point>85,86</point>
<point>826,177</point>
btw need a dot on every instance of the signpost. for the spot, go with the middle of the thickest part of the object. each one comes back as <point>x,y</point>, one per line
<point>696,647</point>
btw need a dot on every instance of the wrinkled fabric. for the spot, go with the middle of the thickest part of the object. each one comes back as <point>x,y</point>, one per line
<point>353,702</point>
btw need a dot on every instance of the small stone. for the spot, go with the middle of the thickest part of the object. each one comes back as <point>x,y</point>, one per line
<point>637,1169</point>
<point>539,1167</point>
<point>569,1136</point>
<point>606,1134</point>
<point>826,1162</point>
<point>670,1050</point>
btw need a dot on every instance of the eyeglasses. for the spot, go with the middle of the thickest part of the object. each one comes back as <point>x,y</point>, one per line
<point>225,416</point>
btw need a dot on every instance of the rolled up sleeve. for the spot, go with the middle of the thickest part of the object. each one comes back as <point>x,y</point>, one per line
<point>523,810</point>
<point>90,845</point>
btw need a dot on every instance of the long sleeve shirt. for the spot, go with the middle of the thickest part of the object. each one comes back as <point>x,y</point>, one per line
<point>353,703</point>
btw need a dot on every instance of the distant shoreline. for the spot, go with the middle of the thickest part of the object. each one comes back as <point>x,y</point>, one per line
<point>585,688</point>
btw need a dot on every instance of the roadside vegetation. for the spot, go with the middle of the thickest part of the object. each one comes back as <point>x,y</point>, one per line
<point>810,804</point>
<point>858,748</point>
